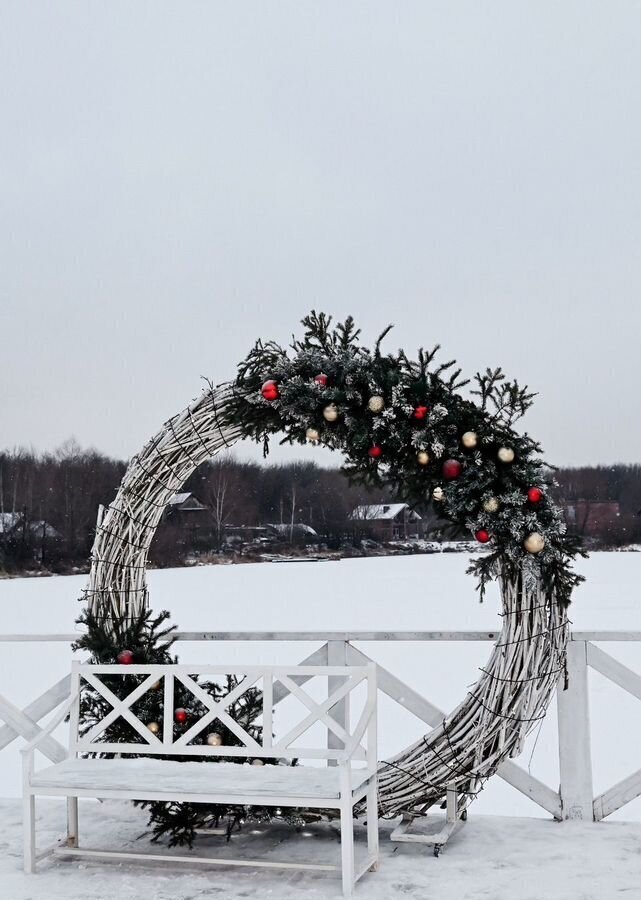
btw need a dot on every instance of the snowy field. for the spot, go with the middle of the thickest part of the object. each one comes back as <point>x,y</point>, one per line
<point>493,857</point>
<point>397,593</point>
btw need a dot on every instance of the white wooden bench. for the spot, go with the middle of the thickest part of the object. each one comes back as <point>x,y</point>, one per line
<point>348,776</point>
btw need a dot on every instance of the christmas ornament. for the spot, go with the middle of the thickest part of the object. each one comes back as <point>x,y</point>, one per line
<point>534,542</point>
<point>321,379</point>
<point>156,686</point>
<point>535,495</point>
<point>376,404</point>
<point>270,391</point>
<point>375,452</point>
<point>491,505</point>
<point>438,493</point>
<point>257,762</point>
<point>482,536</point>
<point>214,739</point>
<point>125,657</point>
<point>181,715</point>
<point>154,727</point>
<point>506,454</point>
<point>420,413</point>
<point>312,435</point>
<point>423,457</point>
<point>452,468</point>
<point>470,439</point>
<point>330,413</point>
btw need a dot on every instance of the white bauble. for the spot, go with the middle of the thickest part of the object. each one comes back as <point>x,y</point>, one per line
<point>214,739</point>
<point>534,542</point>
<point>154,727</point>
<point>506,454</point>
<point>257,762</point>
<point>312,435</point>
<point>491,505</point>
<point>438,493</point>
<point>470,439</point>
<point>330,413</point>
<point>423,457</point>
<point>376,404</point>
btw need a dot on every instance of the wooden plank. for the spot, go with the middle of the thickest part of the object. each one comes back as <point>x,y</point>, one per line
<point>575,760</point>
<point>605,636</point>
<point>190,860</point>
<point>615,671</point>
<point>337,656</point>
<point>28,729</point>
<point>531,787</point>
<point>303,636</point>
<point>616,797</point>
<point>317,658</point>
<point>38,708</point>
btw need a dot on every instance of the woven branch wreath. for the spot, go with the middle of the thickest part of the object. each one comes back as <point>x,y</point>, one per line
<point>404,423</point>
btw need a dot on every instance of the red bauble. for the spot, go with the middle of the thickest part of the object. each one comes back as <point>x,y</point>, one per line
<point>420,413</point>
<point>181,715</point>
<point>270,391</point>
<point>125,657</point>
<point>452,468</point>
<point>321,379</point>
<point>482,536</point>
<point>535,495</point>
<point>375,452</point>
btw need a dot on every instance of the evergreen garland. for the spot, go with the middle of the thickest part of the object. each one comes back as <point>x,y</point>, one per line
<point>381,443</point>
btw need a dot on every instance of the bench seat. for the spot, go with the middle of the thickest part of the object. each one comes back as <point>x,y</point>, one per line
<point>138,777</point>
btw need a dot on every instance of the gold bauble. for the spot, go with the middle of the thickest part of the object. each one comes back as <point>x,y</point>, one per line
<point>214,739</point>
<point>491,505</point>
<point>156,686</point>
<point>423,457</point>
<point>470,439</point>
<point>506,454</point>
<point>312,435</point>
<point>154,727</point>
<point>534,542</point>
<point>330,413</point>
<point>438,493</point>
<point>257,762</point>
<point>376,403</point>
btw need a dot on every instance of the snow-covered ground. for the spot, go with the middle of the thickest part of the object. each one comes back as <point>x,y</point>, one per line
<point>394,593</point>
<point>491,858</point>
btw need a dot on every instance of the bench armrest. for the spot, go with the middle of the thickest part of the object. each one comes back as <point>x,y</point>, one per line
<point>53,724</point>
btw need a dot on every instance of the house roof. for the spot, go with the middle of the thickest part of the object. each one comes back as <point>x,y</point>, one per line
<point>184,498</point>
<point>379,511</point>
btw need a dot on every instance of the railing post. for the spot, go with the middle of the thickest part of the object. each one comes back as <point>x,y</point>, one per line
<point>337,656</point>
<point>575,759</point>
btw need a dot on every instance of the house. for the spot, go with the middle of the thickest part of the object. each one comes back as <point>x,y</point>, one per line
<point>592,518</point>
<point>388,521</point>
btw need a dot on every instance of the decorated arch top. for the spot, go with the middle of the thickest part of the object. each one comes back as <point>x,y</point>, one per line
<point>405,423</point>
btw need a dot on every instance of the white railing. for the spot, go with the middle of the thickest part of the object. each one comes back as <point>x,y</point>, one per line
<point>573,800</point>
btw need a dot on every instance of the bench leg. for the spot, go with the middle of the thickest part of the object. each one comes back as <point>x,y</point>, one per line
<point>372,823</point>
<point>72,821</point>
<point>347,848</point>
<point>29,832</point>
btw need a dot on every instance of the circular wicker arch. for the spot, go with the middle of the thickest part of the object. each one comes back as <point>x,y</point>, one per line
<point>487,727</point>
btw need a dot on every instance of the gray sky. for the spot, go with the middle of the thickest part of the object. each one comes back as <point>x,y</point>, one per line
<point>177,179</point>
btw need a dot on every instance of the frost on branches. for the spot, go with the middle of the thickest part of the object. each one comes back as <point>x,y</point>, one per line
<point>407,424</point>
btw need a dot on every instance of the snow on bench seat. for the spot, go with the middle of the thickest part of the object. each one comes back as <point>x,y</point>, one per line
<point>185,778</point>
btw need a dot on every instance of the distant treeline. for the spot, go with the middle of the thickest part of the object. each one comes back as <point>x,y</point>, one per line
<point>49,504</point>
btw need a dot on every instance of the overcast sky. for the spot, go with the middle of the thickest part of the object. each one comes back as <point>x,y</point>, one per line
<point>178,179</point>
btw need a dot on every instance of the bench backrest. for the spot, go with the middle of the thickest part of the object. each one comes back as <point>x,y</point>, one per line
<point>357,742</point>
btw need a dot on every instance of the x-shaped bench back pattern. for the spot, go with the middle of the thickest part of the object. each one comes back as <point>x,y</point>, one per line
<point>269,679</point>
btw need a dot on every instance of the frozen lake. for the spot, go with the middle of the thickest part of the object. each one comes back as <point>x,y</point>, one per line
<point>398,593</point>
